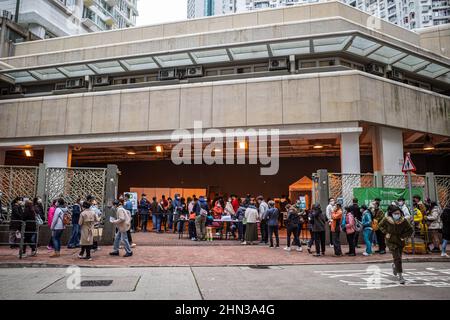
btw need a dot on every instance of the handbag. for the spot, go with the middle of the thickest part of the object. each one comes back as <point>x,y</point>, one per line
<point>39,221</point>
<point>358,225</point>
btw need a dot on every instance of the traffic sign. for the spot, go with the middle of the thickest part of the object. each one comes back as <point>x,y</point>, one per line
<point>408,165</point>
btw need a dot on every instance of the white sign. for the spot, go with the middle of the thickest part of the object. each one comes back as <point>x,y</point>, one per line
<point>408,165</point>
<point>133,199</point>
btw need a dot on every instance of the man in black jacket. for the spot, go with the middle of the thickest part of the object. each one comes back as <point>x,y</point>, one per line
<point>356,211</point>
<point>15,225</point>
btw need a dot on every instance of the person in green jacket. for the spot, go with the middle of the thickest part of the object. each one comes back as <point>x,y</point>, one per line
<point>396,229</point>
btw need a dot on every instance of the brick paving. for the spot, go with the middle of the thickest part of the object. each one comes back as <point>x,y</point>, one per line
<point>167,250</point>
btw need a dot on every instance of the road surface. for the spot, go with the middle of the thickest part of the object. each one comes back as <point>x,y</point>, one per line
<point>354,281</point>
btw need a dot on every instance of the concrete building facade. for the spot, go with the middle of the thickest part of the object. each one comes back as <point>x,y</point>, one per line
<point>331,85</point>
<point>57,18</point>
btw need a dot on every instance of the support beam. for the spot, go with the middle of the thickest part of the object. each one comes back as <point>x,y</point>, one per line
<point>58,156</point>
<point>350,156</point>
<point>387,150</point>
<point>2,157</point>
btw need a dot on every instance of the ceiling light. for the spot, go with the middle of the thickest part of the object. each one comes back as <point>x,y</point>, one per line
<point>28,153</point>
<point>131,152</point>
<point>428,145</point>
<point>242,145</point>
<point>159,149</point>
<point>217,150</point>
<point>318,146</point>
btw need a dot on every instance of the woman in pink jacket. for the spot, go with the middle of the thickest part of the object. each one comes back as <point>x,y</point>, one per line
<point>350,230</point>
<point>51,212</point>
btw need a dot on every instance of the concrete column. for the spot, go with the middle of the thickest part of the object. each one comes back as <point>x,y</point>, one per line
<point>57,156</point>
<point>387,150</point>
<point>2,157</point>
<point>430,186</point>
<point>350,158</point>
<point>111,190</point>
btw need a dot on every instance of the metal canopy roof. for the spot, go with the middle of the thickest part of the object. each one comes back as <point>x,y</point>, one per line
<point>355,43</point>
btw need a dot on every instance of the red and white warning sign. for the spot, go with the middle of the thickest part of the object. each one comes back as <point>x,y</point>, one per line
<point>408,165</point>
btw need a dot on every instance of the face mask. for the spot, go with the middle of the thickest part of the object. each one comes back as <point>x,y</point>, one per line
<point>401,203</point>
<point>396,216</point>
<point>332,203</point>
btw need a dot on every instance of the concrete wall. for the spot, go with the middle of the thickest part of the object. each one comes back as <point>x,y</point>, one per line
<point>213,24</point>
<point>300,99</point>
<point>436,39</point>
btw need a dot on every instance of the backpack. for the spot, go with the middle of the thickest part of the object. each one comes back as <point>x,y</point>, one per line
<point>203,212</point>
<point>67,219</point>
<point>358,225</point>
<point>374,225</point>
<point>39,220</point>
<point>344,223</point>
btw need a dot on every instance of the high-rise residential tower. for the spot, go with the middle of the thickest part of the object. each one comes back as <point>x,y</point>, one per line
<point>55,18</point>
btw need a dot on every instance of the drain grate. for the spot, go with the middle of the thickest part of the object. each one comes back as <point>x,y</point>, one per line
<point>96,283</point>
<point>259,267</point>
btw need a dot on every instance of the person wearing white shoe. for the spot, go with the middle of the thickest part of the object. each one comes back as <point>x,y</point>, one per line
<point>445,218</point>
<point>397,229</point>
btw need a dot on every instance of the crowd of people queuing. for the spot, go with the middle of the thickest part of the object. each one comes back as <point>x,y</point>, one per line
<point>249,220</point>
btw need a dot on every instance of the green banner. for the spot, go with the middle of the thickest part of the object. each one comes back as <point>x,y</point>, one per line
<point>387,195</point>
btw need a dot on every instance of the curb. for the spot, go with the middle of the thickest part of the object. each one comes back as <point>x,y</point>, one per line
<point>50,265</point>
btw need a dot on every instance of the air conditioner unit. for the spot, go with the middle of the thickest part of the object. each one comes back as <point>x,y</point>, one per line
<point>375,69</point>
<point>278,64</point>
<point>396,75</point>
<point>74,83</point>
<point>167,74</point>
<point>16,90</point>
<point>101,81</point>
<point>192,72</point>
<point>60,86</point>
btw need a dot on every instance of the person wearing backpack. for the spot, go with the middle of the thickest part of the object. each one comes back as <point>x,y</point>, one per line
<point>378,215</point>
<point>201,211</point>
<point>367,229</point>
<point>336,218</point>
<point>348,226</point>
<point>292,222</point>
<point>60,220</point>
<point>433,220</point>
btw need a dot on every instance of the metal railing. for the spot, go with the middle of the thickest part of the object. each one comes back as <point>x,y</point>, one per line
<point>341,185</point>
<point>19,236</point>
<point>443,190</point>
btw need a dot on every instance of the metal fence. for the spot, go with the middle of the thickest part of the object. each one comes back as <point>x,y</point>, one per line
<point>17,182</point>
<point>19,237</point>
<point>342,185</point>
<point>74,183</point>
<point>443,190</point>
<point>401,181</point>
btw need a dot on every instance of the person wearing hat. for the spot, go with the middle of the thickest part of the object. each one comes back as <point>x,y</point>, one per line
<point>123,224</point>
<point>396,229</point>
<point>272,223</point>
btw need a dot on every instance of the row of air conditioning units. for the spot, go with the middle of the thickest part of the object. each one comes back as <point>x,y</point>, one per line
<point>180,73</point>
<point>17,89</point>
<point>393,74</point>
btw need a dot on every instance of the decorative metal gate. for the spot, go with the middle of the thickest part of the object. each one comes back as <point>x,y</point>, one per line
<point>443,190</point>
<point>401,181</point>
<point>18,182</point>
<point>74,183</point>
<point>342,184</point>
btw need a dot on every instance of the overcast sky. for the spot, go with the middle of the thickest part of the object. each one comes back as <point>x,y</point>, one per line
<point>157,11</point>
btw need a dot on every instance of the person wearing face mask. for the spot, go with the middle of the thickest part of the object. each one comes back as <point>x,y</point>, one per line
<point>367,229</point>
<point>329,211</point>
<point>378,216</point>
<point>396,229</point>
<point>402,205</point>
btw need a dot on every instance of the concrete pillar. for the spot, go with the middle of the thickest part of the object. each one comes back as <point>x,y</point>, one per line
<point>2,157</point>
<point>378,179</point>
<point>387,150</point>
<point>57,156</point>
<point>430,186</point>
<point>111,190</point>
<point>323,188</point>
<point>350,158</point>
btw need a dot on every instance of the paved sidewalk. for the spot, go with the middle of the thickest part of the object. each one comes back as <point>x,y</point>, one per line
<point>151,256</point>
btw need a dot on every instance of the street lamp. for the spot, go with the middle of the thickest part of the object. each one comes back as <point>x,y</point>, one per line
<point>16,16</point>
